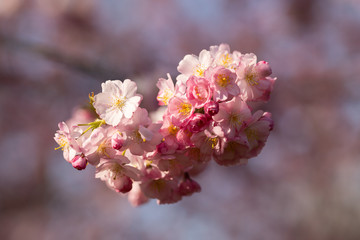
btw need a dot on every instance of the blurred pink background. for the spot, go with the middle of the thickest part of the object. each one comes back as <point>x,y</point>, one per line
<point>304,184</point>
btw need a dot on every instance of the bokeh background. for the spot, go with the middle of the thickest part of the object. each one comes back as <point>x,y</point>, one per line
<point>304,185</point>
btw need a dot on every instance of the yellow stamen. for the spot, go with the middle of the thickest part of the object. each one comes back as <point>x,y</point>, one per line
<point>63,142</point>
<point>138,138</point>
<point>223,80</point>
<point>199,71</point>
<point>226,60</point>
<point>119,102</point>
<point>166,96</point>
<point>251,79</point>
<point>148,163</point>
<point>185,109</point>
<point>235,120</point>
<point>102,149</point>
<point>214,141</point>
<point>173,129</point>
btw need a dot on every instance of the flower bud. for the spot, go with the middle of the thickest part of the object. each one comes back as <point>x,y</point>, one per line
<point>188,186</point>
<point>117,141</point>
<point>79,162</point>
<point>211,108</point>
<point>123,184</point>
<point>263,69</point>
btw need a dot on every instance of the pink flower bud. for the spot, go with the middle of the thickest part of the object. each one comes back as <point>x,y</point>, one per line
<point>123,184</point>
<point>263,69</point>
<point>79,162</point>
<point>197,123</point>
<point>117,141</point>
<point>188,186</point>
<point>211,108</point>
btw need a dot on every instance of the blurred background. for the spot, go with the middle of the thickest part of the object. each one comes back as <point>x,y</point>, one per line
<point>304,185</point>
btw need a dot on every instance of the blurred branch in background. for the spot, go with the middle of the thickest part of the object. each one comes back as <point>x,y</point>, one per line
<point>94,69</point>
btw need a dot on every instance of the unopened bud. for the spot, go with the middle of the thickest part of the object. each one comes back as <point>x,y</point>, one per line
<point>117,141</point>
<point>79,162</point>
<point>124,184</point>
<point>188,186</point>
<point>263,69</point>
<point>211,108</point>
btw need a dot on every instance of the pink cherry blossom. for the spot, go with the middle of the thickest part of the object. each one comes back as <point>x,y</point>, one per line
<point>198,91</point>
<point>117,175</point>
<point>209,141</point>
<point>193,65</point>
<point>223,57</point>
<point>180,110</point>
<point>117,100</point>
<point>234,152</point>
<point>257,132</point>
<point>166,90</point>
<point>232,116</point>
<point>141,136</point>
<point>254,80</point>
<point>66,139</point>
<point>223,83</point>
<point>98,145</point>
<point>169,132</point>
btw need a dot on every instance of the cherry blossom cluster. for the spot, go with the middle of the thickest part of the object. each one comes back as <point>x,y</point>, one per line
<point>206,115</point>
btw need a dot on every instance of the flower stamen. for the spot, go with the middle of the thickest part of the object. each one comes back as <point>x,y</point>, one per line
<point>119,103</point>
<point>251,79</point>
<point>185,109</point>
<point>223,80</point>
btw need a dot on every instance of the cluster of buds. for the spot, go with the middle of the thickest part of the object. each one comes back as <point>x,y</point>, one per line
<point>206,115</point>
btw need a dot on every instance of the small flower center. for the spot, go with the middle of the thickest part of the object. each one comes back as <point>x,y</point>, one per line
<point>119,102</point>
<point>185,109</point>
<point>173,130</point>
<point>235,120</point>
<point>199,71</point>
<point>116,170</point>
<point>225,60</point>
<point>137,137</point>
<point>223,80</point>
<point>166,96</point>
<point>102,149</point>
<point>214,141</point>
<point>251,79</point>
<point>200,93</point>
